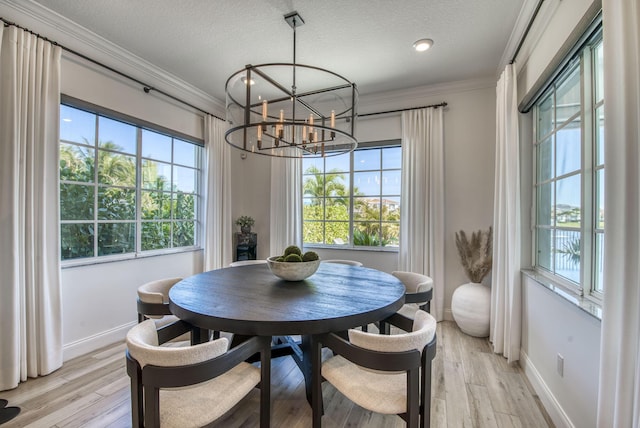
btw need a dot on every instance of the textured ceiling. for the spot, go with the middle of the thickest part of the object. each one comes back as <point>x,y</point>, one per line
<point>367,41</point>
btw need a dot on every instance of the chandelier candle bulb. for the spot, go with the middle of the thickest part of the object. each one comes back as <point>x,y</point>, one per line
<point>333,118</point>
<point>264,110</point>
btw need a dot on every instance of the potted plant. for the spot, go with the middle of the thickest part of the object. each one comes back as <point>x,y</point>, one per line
<point>245,222</point>
<point>471,302</point>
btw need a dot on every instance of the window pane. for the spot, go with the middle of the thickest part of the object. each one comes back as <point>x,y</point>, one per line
<point>155,205</point>
<point>337,185</point>
<point>118,136</point>
<point>544,247</point>
<point>390,234</point>
<point>545,117</point>
<point>600,135</point>
<point>76,163</point>
<point>337,209</point>
<point>366,183</point>
<point>313,185</point>
<point>391,182</point>
<point>366,159</point>
<point>116,169</point>
<point>313,209</point>
<point>599,67</point>
<point>76,202</point>
<point>156,235</point>
<point>77,126</point>
<point>116,204</point>
<point>366,234</point>
<point>568,149</point>
<point>340,163</point>
<point>183,233</point>
<point>567,261</point>
<point>599,264</point>
<point>184,179</point>
<point>600,199</point>
<point>568,97</point>
<point>366,209</point>
<point>545,204</point>
<point>392,158</point>
<point>116,238</point>
<point>337,233</point>
<point>76,240</point>
<point>545,160</point>
<point>313,232</point>
<point>184,206</point>
<point>185,153</point>
<point>156,146</point>
<point>156,175</point>
<point>390,209</point>
<point>568,191</point>
<point>312,165</point>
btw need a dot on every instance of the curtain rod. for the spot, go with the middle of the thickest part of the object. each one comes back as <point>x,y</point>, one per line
<point>442,104</point>
<point>146,88</point>
<point>526,31</point>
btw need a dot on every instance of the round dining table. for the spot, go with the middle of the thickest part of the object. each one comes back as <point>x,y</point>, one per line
<point>251,301</point>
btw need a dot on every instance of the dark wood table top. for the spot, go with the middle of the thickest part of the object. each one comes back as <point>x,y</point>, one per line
<point>250,300</point>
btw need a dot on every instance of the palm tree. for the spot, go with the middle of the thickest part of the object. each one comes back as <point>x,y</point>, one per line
<point>330,185</point>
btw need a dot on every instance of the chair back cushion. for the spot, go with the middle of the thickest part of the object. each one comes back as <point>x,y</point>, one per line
<point>157,291</point>
<point>424,329</point>
<point>142,343</point>
<point>414,282</point>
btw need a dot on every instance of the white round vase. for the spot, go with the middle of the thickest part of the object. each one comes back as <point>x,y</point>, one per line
<point>471,308</point>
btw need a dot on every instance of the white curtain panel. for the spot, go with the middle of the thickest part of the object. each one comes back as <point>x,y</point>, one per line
<point>422,213</point>
<point>619,392</point>
<point>218,224</point>
<point>286,204</point>
<point>30,302</point>
<point>505,275</point>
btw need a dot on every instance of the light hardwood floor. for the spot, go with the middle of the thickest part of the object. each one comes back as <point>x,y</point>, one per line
<point>472,387</point>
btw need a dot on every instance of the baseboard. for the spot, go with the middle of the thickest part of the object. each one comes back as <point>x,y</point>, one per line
<point>448,315</point>
<point>97,341</point>
<point>551,405</point>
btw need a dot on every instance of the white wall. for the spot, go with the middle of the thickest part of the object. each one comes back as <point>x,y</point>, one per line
<point>554,326</point>
<point>550,324</point>
<point>469,128</point>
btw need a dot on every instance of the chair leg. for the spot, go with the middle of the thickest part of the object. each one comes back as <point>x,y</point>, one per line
<point>151,407</point>
<point>413,398</point>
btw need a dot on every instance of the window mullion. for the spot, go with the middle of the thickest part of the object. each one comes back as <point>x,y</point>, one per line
<point>588,249</point>
<point>139,191</point>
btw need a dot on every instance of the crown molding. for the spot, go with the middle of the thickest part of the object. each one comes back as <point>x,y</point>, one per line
<point>66,32</point>
<point>416,96</point>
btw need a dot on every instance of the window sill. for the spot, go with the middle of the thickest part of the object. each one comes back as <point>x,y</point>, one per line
<point>344,248</point>
<point>589,306</point>
<point>125,257</point>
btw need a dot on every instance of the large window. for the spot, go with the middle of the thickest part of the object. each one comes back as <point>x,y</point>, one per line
<point>353,200</point>
<point>569,174</point>
<point>124,189</point>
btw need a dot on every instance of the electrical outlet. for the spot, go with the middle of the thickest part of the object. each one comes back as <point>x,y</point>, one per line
<point>560,365</point>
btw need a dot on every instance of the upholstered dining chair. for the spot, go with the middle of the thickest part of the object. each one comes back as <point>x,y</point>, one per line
<point>247,262</point>
<point>419,291</point>
<point>153,299</point>
<point>195,385</point>
<point>343,262</point>
<point>389,374</point>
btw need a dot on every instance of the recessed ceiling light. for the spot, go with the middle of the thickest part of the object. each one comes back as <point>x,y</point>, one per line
<point>422,45</point>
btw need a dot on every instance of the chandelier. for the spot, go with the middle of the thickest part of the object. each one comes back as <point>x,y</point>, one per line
<point>289,109</point>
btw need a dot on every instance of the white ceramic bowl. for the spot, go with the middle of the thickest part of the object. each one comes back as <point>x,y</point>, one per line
<point>292,271</point>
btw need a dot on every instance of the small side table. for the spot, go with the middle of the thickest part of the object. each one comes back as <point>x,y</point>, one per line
<point>245,245</point>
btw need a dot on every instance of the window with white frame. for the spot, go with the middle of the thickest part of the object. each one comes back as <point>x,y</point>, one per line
<point>353,200</point>
<point>124,189</point>
<point>569,174</point>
